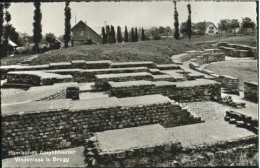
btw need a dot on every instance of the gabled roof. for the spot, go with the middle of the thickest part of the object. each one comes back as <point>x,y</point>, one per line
<point>79,24</point>
<point>209,23</point>
<point>82,24</point>
<point>11,43</point>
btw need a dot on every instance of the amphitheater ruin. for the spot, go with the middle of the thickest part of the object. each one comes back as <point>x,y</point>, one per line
<point>127,113</point>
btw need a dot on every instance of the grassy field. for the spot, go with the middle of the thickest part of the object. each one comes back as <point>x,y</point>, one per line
<point>244,70</point>
<point>159,51</point>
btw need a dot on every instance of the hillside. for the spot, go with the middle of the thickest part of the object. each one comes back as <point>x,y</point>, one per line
<point>159,51</point>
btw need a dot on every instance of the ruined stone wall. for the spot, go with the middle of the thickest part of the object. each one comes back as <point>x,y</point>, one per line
<point>89,75</point>
<point>180,93</point>
<point>145,156</point>
<point>251,91</point>
<point>81,64</point>
<point>102,80</point>
<point>229,82</point>
<point>237,50</point>
<point>36,78</point>
<point>49,125</point>
<point>24,79</point>
<point>196,93</point>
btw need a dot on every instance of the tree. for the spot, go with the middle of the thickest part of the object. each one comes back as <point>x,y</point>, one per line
<point>183,28</point>
<point>6,28</point>
<point>234,23</point>
<point>113,35</point>
<point>201,27</point>
<point>119,34</point>
<point>67,35</point>
<point>176,23</point>
<point>104,36</point>
<point>37,27</point>
<point>189,31</point>
<point>136,35</point>
<point>1,22</point>
<point>168,30</point>
<point>14,35</point>
<point>108,34</point>
<point>224,25</point>
<point>132,35</point>
<point>247,23</point>
<point>142,35</point>
<point>126,34</point>
<point>50,38</point>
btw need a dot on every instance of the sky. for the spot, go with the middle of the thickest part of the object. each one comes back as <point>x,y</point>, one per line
<point>132,14</point>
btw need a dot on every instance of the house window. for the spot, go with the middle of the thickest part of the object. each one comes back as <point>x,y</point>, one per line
<point>81,33</point>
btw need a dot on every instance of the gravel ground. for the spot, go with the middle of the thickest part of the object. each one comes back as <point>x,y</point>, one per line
<point>10,91</point>
<point>208,110</point>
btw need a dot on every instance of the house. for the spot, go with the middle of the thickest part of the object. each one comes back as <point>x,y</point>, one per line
<point>82,34</point>
<point>211,29</point>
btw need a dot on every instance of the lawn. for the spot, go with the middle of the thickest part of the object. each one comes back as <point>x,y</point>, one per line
<point>244,70</point>
<point>158,51</point>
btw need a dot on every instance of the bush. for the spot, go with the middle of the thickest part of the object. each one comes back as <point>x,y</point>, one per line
<point>157,37</point>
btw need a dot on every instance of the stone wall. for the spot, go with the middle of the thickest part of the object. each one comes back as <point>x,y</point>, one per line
<point>237,50</point>
<point>186,91</point>
<point>200,57</point>
<point>148,64</point>
<point>89,75</point>
<point>158,146</point>
<point>251,91</point>
<point>56,124</point>
<point>229,82</point>
<point>102,80</point>
<point>36,78</point>
<point>39,93</point>
<point>100,152</point>
<point>81,64</point>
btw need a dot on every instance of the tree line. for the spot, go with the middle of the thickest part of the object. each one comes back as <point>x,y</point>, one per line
<point>7,31</point>
<point>224,25</point>
<point>110,36</point>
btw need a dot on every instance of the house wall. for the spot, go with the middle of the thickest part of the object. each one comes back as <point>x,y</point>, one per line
<point>81,35</point>
<point>211,30</point>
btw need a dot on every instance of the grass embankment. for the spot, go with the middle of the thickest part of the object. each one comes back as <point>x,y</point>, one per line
<point>244,70</point>
<point>159,51</point>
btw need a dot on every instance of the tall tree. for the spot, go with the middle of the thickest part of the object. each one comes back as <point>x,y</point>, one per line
<point>224,25</point>
<point>1,21</point>
<point>132,35</point>
<point>234,24</point>
<point>108,34</point>
<point>247,23</point>
<point>5,44</point>
<point>189,31</point>
<point>104,36</point>
<point>37,27</point>
<point>119,34</point>
<point>14,35</point>
<point>136,35</point>
<point>142,35</point>
<point>126,34</point>
<point>67,35</point>
<point>176,22</point>
<point>113,35</point>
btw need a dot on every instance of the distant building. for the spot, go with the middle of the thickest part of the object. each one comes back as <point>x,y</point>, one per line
<point>211,29</point>
<point>82,34</point>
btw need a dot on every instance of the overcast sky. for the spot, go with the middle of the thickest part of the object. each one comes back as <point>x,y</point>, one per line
<point>137,14</point>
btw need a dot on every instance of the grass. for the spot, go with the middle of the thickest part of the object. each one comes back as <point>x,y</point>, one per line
<point>244,70</point>
<point>159,51</point>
